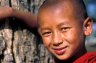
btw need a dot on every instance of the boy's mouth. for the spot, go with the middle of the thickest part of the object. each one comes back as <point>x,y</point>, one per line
<point>60,50</point>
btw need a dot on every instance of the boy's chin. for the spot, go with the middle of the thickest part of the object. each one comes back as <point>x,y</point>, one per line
<point>62,57</point>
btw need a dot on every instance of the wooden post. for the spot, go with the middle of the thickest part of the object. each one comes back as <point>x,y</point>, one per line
<point>18,43</point>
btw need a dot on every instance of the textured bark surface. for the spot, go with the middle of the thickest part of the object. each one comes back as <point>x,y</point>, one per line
<point>18,43</point>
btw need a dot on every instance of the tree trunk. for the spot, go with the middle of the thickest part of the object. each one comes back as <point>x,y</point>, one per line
<point>18,42</point>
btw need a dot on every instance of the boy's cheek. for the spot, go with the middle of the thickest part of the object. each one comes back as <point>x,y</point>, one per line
<point>46,41</point>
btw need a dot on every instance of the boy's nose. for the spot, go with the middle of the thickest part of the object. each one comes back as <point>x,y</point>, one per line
<point>57,39</point>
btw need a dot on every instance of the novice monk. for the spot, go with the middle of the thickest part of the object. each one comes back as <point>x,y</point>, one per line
<point>63,26</point>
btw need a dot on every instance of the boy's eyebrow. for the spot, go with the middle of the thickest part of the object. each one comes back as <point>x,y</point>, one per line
<point>44,29</point>
<point>64,23</point>
<point>61,24</point>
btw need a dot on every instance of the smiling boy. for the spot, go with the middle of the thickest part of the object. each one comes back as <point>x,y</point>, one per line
<point>63,26</point>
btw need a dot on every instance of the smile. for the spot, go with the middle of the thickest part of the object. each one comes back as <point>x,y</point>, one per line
<point>60,51</point>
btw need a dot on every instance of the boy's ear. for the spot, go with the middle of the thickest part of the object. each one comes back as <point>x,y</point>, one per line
<point>87,25</point>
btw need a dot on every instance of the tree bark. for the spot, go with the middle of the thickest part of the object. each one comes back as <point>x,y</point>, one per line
<point>18,42</point>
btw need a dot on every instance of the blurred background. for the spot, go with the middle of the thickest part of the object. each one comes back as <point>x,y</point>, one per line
<point>91,9</point>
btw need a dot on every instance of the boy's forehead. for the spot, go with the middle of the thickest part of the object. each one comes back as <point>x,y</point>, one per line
<point>63,8</point>
<point>76,7</point>
<point>59,9</point>
<point>57,14</point>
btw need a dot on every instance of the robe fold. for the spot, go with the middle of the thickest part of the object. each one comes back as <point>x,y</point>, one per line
<point>89,57</point>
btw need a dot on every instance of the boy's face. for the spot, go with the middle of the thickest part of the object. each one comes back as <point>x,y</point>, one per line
<point>61,32</point>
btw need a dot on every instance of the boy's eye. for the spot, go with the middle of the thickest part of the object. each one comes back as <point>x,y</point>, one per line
<point>46,34</point>
<point>64,29</point>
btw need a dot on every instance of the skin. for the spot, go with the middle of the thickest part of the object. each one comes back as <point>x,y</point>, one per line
<point>27,17</point>
<point>62,33</point>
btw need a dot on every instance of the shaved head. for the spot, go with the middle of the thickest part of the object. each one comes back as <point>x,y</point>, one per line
<point>63,26</point>
<point>77,7</point>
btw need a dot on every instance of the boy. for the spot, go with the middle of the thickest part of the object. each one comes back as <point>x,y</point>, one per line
<point>63,26</point>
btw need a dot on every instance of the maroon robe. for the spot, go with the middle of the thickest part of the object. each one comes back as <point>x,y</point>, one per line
<point>89,57</point>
